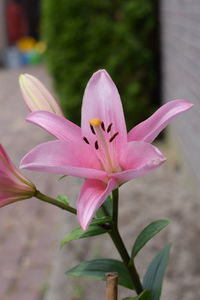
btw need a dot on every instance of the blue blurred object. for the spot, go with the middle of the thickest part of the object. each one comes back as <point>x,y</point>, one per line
<point>12,57</point>
<point>24,58</point>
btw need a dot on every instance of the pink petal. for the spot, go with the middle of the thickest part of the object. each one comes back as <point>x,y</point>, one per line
<point>7,198</point>
<point>10,176</point>
<point>138,159</point>
<point>60,127</point>
<point>92,195</point>
<point>67,158</point>
<point>148,130</point>
<point>13,185</point>
<point>102,100</point>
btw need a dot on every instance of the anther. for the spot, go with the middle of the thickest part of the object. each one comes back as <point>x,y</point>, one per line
<point>92,129</point>
<point>113,137</point>
<point>109,128</point>
<point>96,145</point>
<point>86,140</point>
<point>102,126</point>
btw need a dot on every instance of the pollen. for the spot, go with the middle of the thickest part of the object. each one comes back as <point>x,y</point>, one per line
<point>95,122</point>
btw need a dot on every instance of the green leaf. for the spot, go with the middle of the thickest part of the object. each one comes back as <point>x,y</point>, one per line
<point>77,233</point>
<point>97,269</point>
<point>154,276</point>
<point>108,206</point>
<point>143,296</point>
<point>102,220</point>
<point>62,177</point>
<point>148,233</point>
<point>63,199</point>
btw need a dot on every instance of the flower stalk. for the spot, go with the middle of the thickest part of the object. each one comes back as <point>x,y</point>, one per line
<point>119,244</point>
<point>115,198</point>
<point>117,240</point>
<point>55,202</point>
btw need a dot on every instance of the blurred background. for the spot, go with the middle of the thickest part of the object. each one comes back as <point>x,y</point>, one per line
<point>151,50</point>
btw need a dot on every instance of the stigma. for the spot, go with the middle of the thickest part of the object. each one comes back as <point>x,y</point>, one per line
<point>96,122</point>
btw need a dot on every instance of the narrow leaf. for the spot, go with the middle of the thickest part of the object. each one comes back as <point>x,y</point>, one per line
<point>63,199</point>
<point>108,206</point>
<point>102,220</point>
<point>143,296</point>
<point>62,177</point>
<point>147,234</point>
<point>153,278</point>
<point>97,268</point>
<point>77,233</point>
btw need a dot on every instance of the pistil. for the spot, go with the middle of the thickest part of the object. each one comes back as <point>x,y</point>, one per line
<point>102,145</point>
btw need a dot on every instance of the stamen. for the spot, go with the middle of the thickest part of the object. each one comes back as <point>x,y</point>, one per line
<point>113,137</point>
<point>86,140</point>
<point>102,126</point>
<point>109,128</point>
<point>92,129</point>
<point>96,145</point>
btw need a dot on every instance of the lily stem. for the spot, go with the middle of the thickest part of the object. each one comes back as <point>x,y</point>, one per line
<point>117,240</point>
<point>55,202</point>
<point>115,198</point>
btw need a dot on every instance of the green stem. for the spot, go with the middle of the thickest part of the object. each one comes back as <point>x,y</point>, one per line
<point>117,240</point>
<point>55,202</point>
<point>115,198</point>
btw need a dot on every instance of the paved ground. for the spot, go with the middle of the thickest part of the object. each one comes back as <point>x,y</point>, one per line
<point>32,265</point>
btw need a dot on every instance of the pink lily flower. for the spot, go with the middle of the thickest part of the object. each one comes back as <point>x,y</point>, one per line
<point>101,150</point>
<point>13,185</point>
<point>36,96</point>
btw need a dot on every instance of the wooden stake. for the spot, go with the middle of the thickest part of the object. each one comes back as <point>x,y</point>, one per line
<point>111,286</point>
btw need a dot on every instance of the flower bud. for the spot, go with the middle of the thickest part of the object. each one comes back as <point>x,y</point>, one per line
<point>36,96</point>
<point>13,185</point>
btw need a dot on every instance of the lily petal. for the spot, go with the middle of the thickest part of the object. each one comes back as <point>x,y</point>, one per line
<point>149,129</point>
<point>67,158</point>
<point>102,100</point>
<point>60,127</point>
<point>92,195</point>
<point>10,175</point>
<point>13,185</point>
<point>6,198</point>
<point>138,159</point>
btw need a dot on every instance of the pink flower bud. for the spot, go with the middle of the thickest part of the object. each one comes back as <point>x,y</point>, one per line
<point>36,96</point>
<point>13,185</point>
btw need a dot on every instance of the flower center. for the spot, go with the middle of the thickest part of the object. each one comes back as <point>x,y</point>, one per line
<point>104,146</point>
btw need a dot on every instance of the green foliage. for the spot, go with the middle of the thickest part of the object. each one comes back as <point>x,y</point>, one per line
<point>97,269</point>
<point>147,234</point>
<point>120,36</point>
<point>63,199</point>
<point>107,208</point>
<point>145,295</point>
<point>93,230</point>
<point>153,278</point>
